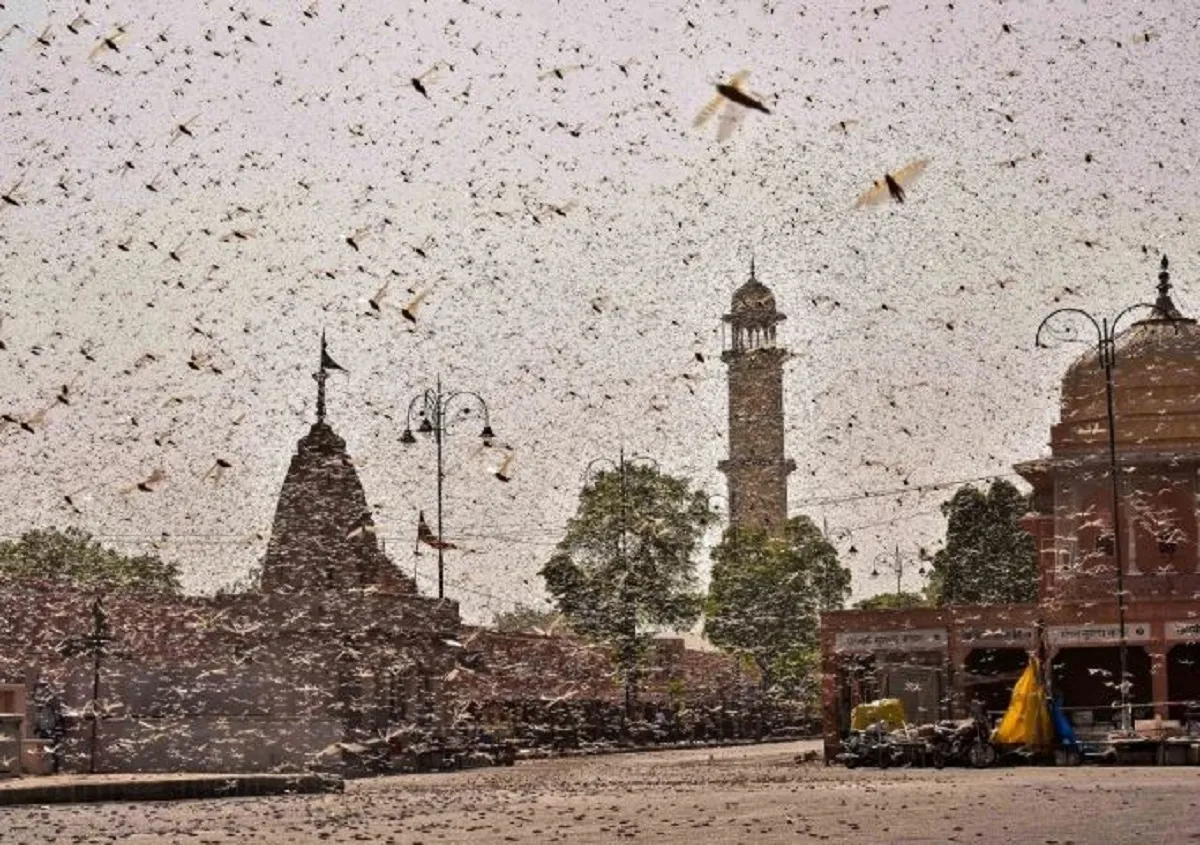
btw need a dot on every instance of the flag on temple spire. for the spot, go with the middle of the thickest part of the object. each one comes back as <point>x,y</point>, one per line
<point>320,375</point>
<point>328,363</point>
<point>425,535</point>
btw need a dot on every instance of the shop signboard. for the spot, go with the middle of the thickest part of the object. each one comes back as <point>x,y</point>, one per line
<point>915,639</point>
<point>997,637</point>
<point>1060,636</point>
<point>1183,631</point>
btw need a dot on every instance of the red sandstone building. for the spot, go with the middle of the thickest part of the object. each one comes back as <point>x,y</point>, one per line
<point>938,660</point>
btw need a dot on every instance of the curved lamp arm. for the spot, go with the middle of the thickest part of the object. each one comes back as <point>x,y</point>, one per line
<point>1106,332</point>
<point>429,397</point>
<point>839,534</point>
<point>595,462</point>
<point>1037,341</point>
<point>615,466</point>
<point>443,412</point>
<point>886,559</point>
<point>1161,313</point>
<point>434,413</point>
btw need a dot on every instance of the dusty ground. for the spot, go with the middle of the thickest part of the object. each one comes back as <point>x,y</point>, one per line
<point>736,795</point>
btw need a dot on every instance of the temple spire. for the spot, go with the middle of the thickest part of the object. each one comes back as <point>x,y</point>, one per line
<point>320,376</point>
<point>752,267</point>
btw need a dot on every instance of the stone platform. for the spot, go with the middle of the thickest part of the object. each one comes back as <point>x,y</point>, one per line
<point>65,789</point>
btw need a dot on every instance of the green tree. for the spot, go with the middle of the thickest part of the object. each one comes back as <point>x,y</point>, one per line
<point>626,564</point>
<point>893,601</point>
<point>72,557</point>
<point>988,557</point>
<point>766,596</point>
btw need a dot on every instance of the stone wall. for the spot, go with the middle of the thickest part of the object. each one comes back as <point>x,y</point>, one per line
<point>257,682</point>
<point>203,744</point>
<point>189,675</point>
<point>530,667</point>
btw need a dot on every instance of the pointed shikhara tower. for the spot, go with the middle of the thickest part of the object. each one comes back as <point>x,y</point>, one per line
<point>323,538</point>
<point>756,470</point>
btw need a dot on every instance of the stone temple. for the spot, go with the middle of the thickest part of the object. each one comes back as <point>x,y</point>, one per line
<point>323,537</point>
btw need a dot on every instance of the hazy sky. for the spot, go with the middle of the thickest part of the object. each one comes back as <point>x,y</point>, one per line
<point>912,324</point>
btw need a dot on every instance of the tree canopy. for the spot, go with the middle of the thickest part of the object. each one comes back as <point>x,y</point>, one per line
<point>523,618</point>
<point>893,601</point>
<point>75,558</point>
<point>766,595</point>
<point>627,561</point>
<point>988,557</point>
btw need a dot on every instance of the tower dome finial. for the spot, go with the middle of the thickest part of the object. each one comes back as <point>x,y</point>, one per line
<point>1163,305</point>
<point>752,277</point>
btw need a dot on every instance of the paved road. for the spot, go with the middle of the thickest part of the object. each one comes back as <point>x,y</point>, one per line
<point>734,795</point>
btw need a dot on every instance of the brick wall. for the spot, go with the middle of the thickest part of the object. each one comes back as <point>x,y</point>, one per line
<point>286,666</point>
<point>516,667</point>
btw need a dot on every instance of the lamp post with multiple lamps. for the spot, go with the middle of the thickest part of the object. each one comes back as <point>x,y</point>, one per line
<point>433,408</point>
<point>894,562</point>
<point>629,622</point>
<point>1106,358</point>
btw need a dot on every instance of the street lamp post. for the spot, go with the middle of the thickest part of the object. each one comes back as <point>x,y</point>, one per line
<point>433,408</point>
<point>895,563</point>
<point>629,622</point>
<point>1106,356</point>
<point>95,645</point>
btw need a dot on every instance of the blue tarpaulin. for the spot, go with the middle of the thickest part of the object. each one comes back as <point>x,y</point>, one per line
<point>1064,731</point>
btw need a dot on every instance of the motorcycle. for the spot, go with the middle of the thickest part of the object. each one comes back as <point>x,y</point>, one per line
<point>872,746</point>
<point>966,743</point>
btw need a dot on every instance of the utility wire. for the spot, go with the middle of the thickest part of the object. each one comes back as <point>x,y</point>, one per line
<point>519,534</point>
<point>900,491</point>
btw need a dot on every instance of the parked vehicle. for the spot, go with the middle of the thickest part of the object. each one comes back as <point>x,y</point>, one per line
<point>947,743</point>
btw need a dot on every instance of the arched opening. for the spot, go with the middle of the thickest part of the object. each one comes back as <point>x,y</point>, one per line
<point>1087,679</point>
<point>1183,682</point>
<point>989,675</point>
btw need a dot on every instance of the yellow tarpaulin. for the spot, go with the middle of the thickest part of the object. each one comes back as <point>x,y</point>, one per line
<point>1027,719</point>
<point>890,711</point>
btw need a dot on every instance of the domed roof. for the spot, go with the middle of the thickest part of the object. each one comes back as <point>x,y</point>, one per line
<point>1156,386</point>
<point>753,296</point>
<point>753,299</point>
